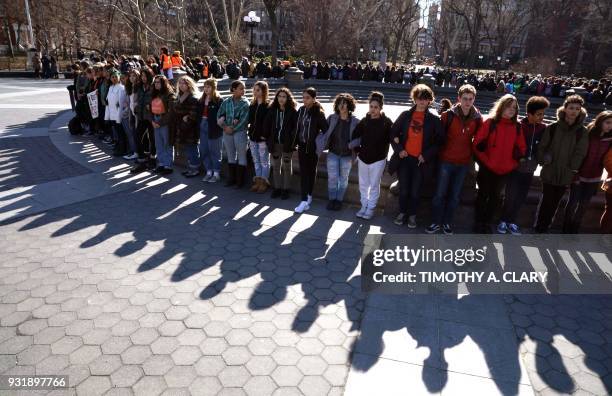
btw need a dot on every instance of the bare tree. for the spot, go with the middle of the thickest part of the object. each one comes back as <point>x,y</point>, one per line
<point>401,14</point>
<point>470,20</point>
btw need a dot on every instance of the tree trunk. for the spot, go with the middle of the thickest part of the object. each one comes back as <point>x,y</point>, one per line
<point>396,46</point>
<point>274,28</point>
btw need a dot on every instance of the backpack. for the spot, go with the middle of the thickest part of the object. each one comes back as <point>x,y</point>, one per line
<point>482,146</point>
<point>74,126</point>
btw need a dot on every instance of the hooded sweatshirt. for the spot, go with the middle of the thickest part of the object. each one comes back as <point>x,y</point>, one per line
<point>500,154</point>
<point>459,133</point>
<point>562,149</point>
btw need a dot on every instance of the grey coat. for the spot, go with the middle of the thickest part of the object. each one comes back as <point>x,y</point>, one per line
<point>323,139</point>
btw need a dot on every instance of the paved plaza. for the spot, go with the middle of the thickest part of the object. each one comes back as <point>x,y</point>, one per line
<point>150,285</point>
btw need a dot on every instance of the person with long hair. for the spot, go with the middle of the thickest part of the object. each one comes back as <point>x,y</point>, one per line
<point>185,117</point>
<point>128,119</point>
<point>519,181</point>
<point>145,141</point>
<point>562,149</point>
<point>162,100</point>
<point>280,125</point>
<point>499,144</point>
<point>588,179</point>
<point>258,137</point>
<point>233,117</point>
<point>337,138</point>
<point>371,141</point>
<point>310,123</point>
<point>210,131</point>
<point>606,219</point>
<point>116,95</point>
<point>416,137</point>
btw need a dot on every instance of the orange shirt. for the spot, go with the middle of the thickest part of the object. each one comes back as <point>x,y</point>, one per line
<point>414,143</point>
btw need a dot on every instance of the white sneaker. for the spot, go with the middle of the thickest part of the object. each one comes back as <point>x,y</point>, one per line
<point>369,213</point>
<point>309,199</point>
<point>302,207</point>
<point>130,156</point>
<point>214,178</point>
<point>361,212</point>
<point>502,228</point>
<point>208,176</point>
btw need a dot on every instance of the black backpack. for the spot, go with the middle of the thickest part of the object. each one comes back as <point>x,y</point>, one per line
<point>74,126</point>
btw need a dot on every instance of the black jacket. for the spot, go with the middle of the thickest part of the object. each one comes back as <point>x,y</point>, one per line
<point>257,114</point>
<point>186,132</point>
<point>310,122</point>
<point>287,133</point>
<point>433,136</point>
<point>374,136</point>
<point>214,130</point>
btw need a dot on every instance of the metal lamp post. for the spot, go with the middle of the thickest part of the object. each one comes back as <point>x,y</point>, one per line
<point>360,54</point>
<point>252,21</point>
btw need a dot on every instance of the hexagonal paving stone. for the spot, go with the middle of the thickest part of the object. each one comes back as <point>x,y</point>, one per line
<point>96,336</point>
<point>260,385</point>
<point>158,365</point>
<point>337,374</point>
<point>312,365</point>
<point>152,319</point>
<point>217,329</point>
<point>262,329</point>
<point>152,386</point>
<point>205,386</point>
<point>287,376</point>
<point>261,346</point>
<point>126,376</point>
<point>144,336</point>
<point>171,328</point>
<point>116,345</point>
<point>85,354</point>
<point>261,365</point>
<point>315,385</point>
<point>94,386</point>
<point>191,337</point>
<point>238,337</point>
<point>105,365</point>
<point>310,346</point>
<point>136,354</point>
<point>33,354</point>
<point>164,345</point>
<point>180,376</point>
<point>236,355</point>
<point>66,345</point>
<point>233,376</point>
<point>32,326</point>
<point>177,313</point>
<point>287,356</point>
<point>186,355</point>
<point>210,365</point>
<point>197,321</point>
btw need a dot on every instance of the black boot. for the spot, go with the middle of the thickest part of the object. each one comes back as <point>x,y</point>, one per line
<point>276,193</point>
<point>240,173</point>
<point>231,175</point>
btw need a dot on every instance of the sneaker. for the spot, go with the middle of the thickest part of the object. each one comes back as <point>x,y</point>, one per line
<point>132,156</point>
<point>433,228</point>
<point>309,200</point>
<point>400,219</point>
<point>331,205</point>
<point>502,228</point>
<point>284,194</point>
<point>192,173</point>
<point>302,207</point>
<point>166,171</point>
<point>369,213</point>
<point>361,211</point>
<point>412,221</point>
<point>514,229</point>
<point>447,229</point>
<point>214,178</point>
<point>208,176</point>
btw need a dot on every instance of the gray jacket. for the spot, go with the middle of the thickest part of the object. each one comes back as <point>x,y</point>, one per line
<point>323,139</point>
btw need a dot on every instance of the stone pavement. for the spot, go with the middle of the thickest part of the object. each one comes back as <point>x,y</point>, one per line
<point>152,285</point>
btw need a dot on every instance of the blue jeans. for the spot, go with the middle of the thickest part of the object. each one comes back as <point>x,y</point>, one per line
<point>338,169</point>
<point>448,192</point>
<point>210,149</point>
<point>236,147</point>
<point>193,156</point>
<point>410,178</point>
<point>261,159</point>
<point>165,151</point>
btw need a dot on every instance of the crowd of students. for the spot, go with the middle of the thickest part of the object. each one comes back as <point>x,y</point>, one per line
<point>143,116</point>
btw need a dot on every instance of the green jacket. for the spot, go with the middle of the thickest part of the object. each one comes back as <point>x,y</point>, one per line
<point>235,110</point>
<point>562,149</point>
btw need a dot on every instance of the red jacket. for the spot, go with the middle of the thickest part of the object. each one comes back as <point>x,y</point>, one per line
<point>500,155</point>
<point>459,133</point>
